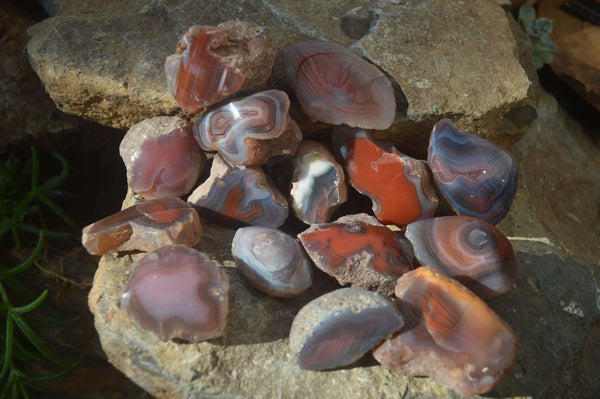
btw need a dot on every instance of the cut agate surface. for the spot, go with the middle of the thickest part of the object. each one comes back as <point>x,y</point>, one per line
<point>336,86</point>
<point>338,328</point>
<point>272,261</point>
<point>250,131</point>
<point>178,292</point>
<point>162,157</point>
<point>399,186</point>
<point>146,226</point>
<point>468,249</point>
<point>450,335</point>
<point>477,177</point>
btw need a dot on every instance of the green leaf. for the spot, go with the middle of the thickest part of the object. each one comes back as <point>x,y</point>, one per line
<point>8,346</point>
<point>526,15</point>
<point>54,323</point>
<point>544,44</point>
<point>547,57</point>
<point>538,62</point>
<point>59,374</point>
<point>35,170</point>
<point>28,262</point>
<point>59,212</point>
<point>32,305</point>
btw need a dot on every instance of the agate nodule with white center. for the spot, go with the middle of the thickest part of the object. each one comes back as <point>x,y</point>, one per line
<point>399,186</point>
<point>213,63</point>
<point>468,249</point>
<point>178,292</point>
<point>318,183</point>
<point>272,261</point>
<point>450,335</point>
<point>162,157</point>
<point>244,194</point>
<point>250,131</point>
<point>338,328</point>
<point>477,177</point>
<point>146,226</point>
<point>336,86</point>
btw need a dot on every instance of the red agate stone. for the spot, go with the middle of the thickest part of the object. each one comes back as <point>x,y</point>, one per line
<point>178,292</point>
<point>399,186</point>
<point>213,63</point>
<point>338,328</point>
<point>468,249</point>
<point>449,335</point>
<point>336,86</point>
<point>146,226</point>
<point>251,130</point>
<point>162,157</point>
<point>358,250</point>
<point>244,194</point>
<point>477,177</point>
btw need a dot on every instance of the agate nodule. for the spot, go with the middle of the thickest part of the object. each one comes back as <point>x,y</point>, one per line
<point>146,226</point>
<point>162,157</point>
<point>250,131</point>
<point>338,328</point>
<point>477,177</point>
<point>213,63</point>
<point>272,261</point>
<point>336,86</point>
<point>178,292</point>
<point>450,335</point>
<point>399,186</point>
<point>318,183</point>
<point>468,249</point>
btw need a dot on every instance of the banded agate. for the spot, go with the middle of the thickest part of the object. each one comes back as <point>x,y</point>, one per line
<point>250,131</point>
<point>336,86</point>
<point>477,177</point>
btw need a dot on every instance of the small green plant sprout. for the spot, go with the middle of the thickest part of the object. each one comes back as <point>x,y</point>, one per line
<point>538,30</point>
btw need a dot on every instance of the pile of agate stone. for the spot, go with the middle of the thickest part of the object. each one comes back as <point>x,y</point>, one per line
<point>416,279</point>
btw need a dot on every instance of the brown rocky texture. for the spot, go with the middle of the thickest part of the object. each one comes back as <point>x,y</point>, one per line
<point>104,60</point>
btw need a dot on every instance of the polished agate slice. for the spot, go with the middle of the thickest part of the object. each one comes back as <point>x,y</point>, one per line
<point>272,261</point>
<point>477,177</point>
<point>336,86</point>
<point>318,183</point>
<point>338,328</point>
<point>178,292</point>
<point>146,226</point>
<point>449,335</point>
<point>360,251</point>
<point>213,63</point>
<point>242,194</point>
<point>399,186</point>
<point>162,157</point>
<point>250,131</point>
<point>468,249</point>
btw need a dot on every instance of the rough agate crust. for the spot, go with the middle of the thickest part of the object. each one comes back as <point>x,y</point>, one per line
<point>272,261</point>
<point>399,186</point>
<point>318,183</point>
<point>178,292</point>
<point>243,194</point>
<point>213,63</point>
<point>336,86</point>
<point>161,157</point>
<point>449,335</point>
<point>338,328</point>
<point>146,226</point>
<point>250,131</point>
<point>471,250</point>
<point>358,250</point>
<point>477,177</point>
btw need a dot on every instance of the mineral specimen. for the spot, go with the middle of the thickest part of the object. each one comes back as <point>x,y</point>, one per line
<point>449,335</point>
<point>243,194</point>
<point>399,186</point>
<point>336,86</point>
<point>251,130</point>
<point>272,261</point>
<point>477,177</point>
<point>178,292</point>
<point>338,328</point>
<point>161,157</point>
<point>146,226</point>
<point>213,63</point>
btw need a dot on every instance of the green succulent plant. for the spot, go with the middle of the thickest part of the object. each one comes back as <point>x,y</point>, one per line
<point>538,30</point>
